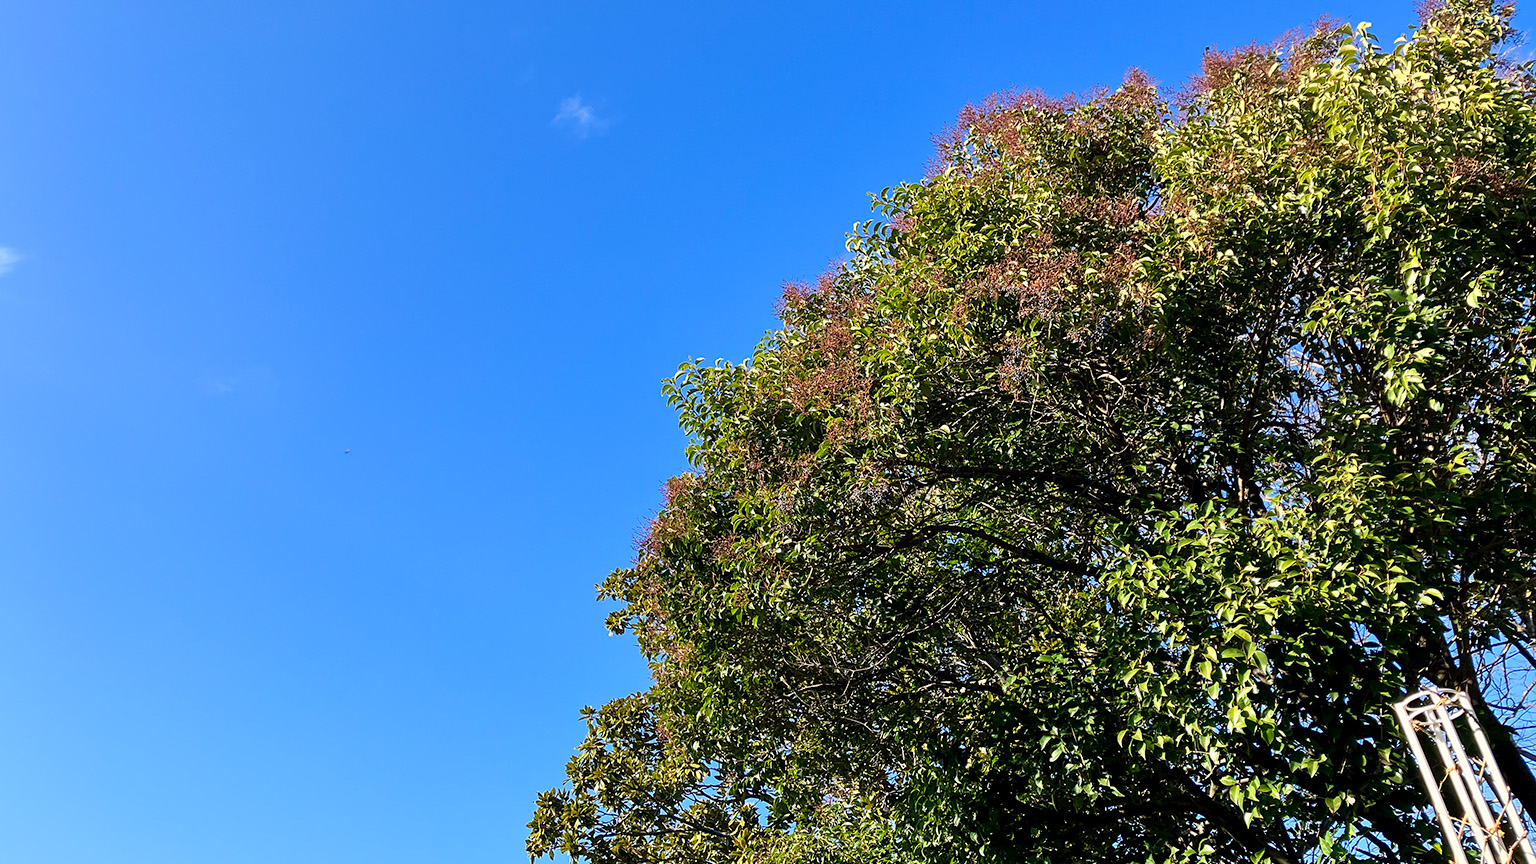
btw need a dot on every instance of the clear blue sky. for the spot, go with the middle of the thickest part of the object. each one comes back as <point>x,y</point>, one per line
<point>466,241</point>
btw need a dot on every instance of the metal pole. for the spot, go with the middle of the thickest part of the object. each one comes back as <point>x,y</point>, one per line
<point>1447,826</point>
<point>1502,836</point>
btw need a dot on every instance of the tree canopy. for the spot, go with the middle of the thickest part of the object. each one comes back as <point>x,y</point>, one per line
<point>1101,504</point>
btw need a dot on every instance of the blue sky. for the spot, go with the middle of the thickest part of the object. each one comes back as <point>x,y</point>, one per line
<point>465,241</point>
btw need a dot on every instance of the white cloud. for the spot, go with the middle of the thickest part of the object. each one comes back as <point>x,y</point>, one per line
<point>580,118</point>
<point>255,378</point>
<point>8,259</point>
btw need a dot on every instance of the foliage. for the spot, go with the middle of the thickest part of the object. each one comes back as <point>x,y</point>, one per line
<point>1100,505</point>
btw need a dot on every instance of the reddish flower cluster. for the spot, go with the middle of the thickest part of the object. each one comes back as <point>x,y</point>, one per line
<point>1263,65</point>
<point>1010,122</point>
<point>826,379</point>
<point>1495,180</point>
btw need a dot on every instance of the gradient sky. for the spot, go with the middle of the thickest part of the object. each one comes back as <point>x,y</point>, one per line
<point>465,241</point>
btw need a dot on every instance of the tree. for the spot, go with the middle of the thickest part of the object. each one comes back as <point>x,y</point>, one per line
<point>1101,504</point>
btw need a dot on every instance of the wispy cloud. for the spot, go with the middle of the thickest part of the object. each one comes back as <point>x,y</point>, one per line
<point>225,383</point>
<point>8,259</point>
<point>579,117</point>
